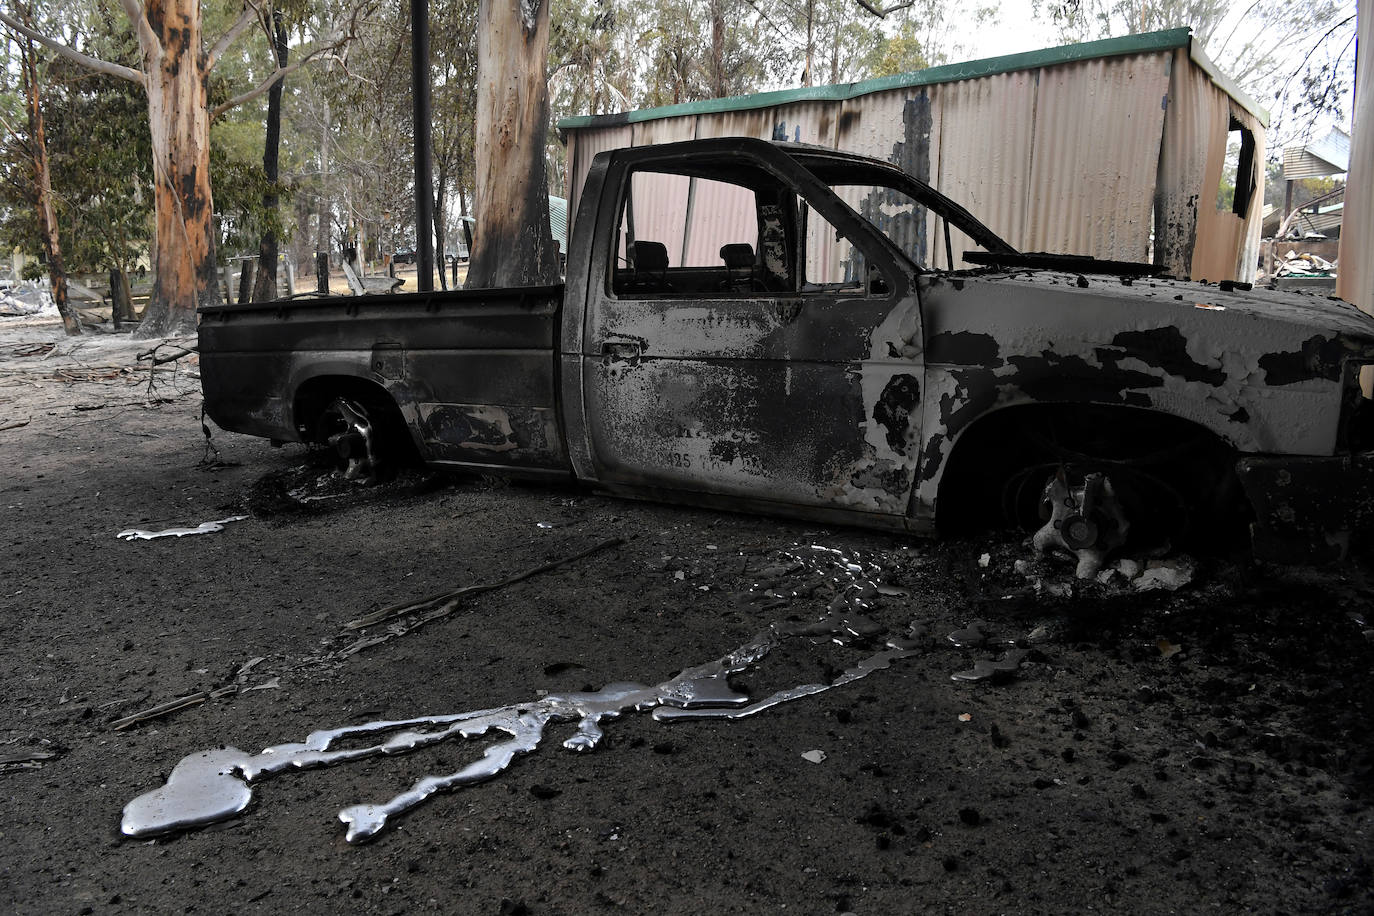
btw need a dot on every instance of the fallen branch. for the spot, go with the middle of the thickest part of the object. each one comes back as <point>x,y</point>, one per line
<point>25,755</point>
<point>447,602</point>
<point>160,710</point>
<point>15,425</point>
<point>159,360</point>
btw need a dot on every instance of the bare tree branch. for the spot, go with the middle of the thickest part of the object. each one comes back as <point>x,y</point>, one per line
<point>325,52</point>
<point>280,73</point>
<point>251,14</point>
<point>881,12</point>
<point>84,60</point>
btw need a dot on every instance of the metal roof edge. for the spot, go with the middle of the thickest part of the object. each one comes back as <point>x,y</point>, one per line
<point>1226,84</point>
<point>1167,40</point>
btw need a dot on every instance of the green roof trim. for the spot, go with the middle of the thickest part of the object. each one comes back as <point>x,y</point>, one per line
<point>1228,85</point>
<point>1168,40</point>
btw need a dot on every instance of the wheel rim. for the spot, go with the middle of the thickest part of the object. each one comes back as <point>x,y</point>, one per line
<point>348,431</point>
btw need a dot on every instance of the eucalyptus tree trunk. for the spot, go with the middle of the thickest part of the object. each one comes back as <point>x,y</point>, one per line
<point>718,48</point>
<point>42,187</point>
<point>179,117</point>
<point>514,246</point>
<point>266,287</point>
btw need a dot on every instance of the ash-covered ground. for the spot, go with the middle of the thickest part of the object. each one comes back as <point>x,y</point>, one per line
<point>1200,750</point>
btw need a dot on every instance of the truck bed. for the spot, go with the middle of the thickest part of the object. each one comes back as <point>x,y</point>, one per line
<point>471,372</point>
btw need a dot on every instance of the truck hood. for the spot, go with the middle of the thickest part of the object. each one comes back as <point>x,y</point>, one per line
<point>1231,302</point>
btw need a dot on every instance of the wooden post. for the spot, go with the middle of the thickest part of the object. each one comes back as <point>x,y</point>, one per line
<point>424,180</point>
<point>121,304</point>
<point>246,280</point>
<point>322,272</point>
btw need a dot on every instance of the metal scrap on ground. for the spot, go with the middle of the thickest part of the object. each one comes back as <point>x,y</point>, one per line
<point>138,534</point>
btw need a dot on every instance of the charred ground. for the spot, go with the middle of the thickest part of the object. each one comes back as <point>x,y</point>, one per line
<point>1206,749</point>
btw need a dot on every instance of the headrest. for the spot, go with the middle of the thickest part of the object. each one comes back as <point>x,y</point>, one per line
<point>651,256</point>
<point>737,255</point>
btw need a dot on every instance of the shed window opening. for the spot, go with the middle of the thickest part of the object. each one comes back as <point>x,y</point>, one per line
<point>1238,174</point>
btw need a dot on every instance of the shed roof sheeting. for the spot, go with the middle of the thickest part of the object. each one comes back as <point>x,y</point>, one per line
<point>1329,155</point>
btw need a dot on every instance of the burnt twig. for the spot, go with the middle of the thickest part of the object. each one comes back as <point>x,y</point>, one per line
<point>446,602</point>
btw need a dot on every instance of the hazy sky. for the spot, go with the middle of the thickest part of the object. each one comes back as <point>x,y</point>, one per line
<point>1017,31</point>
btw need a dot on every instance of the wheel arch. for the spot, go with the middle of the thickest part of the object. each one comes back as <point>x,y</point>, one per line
<point>311,395</point>
<point>1003,438</point>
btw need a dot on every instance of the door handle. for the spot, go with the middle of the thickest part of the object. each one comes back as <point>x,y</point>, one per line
<point>622,349</point>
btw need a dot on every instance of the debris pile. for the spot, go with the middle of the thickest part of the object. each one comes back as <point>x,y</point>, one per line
<point>27,300</point>
<point>1305,264</point>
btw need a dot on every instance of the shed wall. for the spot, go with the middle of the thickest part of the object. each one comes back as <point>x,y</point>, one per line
<point>1198,240</point>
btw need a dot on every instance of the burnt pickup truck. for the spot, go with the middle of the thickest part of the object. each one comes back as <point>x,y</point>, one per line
<point>793,330</point>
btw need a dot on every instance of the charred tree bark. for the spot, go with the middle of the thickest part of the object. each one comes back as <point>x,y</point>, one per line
<point>718,48</point>
<point>266,286</point>
<point>42,188</point>
<point>424,145</point>
<point>184,245</point>
<point>514,246</point>
<point>440,230</point>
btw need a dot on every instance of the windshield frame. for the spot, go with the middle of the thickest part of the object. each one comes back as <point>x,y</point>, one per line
<point>835,168</point>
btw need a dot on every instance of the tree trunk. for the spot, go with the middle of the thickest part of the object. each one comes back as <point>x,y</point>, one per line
<point>42,186</point>
<point>184,246</point>
<point>514,244</point>
<point>440,224</point>
<point>718,48</point>
<point>323,242</point>
<point>266,287</point>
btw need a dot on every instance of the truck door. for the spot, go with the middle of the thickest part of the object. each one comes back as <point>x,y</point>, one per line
<point>748,343</point>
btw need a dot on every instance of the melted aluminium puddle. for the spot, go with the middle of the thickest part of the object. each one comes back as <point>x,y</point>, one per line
<point>214,785</point>
<point>138,534</point>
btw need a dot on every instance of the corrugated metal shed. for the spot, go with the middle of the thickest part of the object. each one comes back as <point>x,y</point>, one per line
<point>1111,148</point>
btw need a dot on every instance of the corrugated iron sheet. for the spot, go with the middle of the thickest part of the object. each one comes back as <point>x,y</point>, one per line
<point>757,123</point>
<point>1193,116</point>
<point>583,145</point>
<point>1092,179</point>
<point>1298,164</point>
<point>806,122</point>
<point>986,132</point>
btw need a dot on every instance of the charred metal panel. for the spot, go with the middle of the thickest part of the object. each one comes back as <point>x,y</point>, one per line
<point>488,434</point>
<point>1306,509</point>
<point>1193,115</point>
<point>389,360</point>
<point>456,347</point>
<point>806,122</point>
<point>1242,364</point>
<point>791,399</point>
<point>1193,238</point>
<point>244,392</point>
